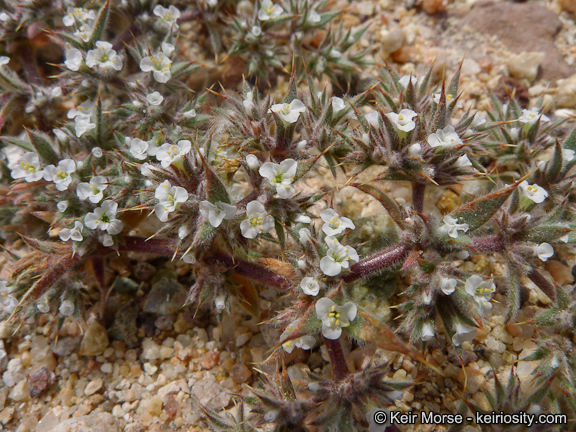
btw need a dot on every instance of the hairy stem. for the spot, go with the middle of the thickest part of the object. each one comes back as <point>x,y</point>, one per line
<point>375,263</point>
<point>337,358</point>
<point>541,282</point>
<point>30,66</point>
<point>418,190</point>
<point>488,244</point>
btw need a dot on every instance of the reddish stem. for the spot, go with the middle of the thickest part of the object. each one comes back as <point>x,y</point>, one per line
<point>542,283</point>
<point>380,261</point>
<point>418,196</point>
<point>337,358</point>
<point>488,244</point>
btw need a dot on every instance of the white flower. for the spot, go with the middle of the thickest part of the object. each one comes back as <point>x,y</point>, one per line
<point>444,137</point>
<point>93,190</point>
<point>97,152</point>
<point>462,162</point>
<point>103,57</point>
<point>257,220</point>
<point>338,104</point>
<point>4,60</point>
<point>252,161</point>
<point>183,232</point>
<point>544,251</point>
<point>75,233</point>
<point>337,257</point>
<point>138,148</point>
<point>531,116</point>
<point>305,342</point>
<point>248,102</point>
<point>159,64</point>
<point>448,285</point>
<point>451,227</point>
<point>533,192</point>
<point>334,317</point>
<point>568,155</point>
<point>407,79</point>
<point>301,145</point>
<point>62,206</point>
<point>216,213</point>
<point>481,290</point>
<point>168,16</point>
<point>256,30</point>
<point>314,17</point>
<point>104,217</point>
<point>280,176</point>
<point>372,118</point>
<point>154,98</point>
<point>107,240</point>
<point>82,125</point>
<point>189,259</point>
<point>478,120</point>
<point>4,17</point>
<point>303,219</point>
<point>220,302</point>
<point>189,114</point>
<point>463,333</point>
<point>414,150</point>
<point>304,235</point>
<point>334,224</point>
<point>269,10</point>
<point>43,306</point>
<point>289,112</point>
<point>73,59</point>
<point>85,110</point>
<point>84,32</point>
<point>335,53</point>
<point>403,120</point>
<point>28,168</point>
<point>56,92</point>
<point>168,197</point>
<point>168,153</point>
<point>66,308</point>
<point>79,15</point>
<point>146,169</point>
<point>60,175</point>
<point>310,286</point>
<point>8,302</point>
<point>437,97</point>
<point>60,135</point>
<point>301,264</point>
<point>427,332</point>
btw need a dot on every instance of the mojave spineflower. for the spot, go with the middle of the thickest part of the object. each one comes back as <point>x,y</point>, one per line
<point>280,176</point>
<point>154,98</point>
<point>289,112</point>
<point>168,153</point>
<point>334,224</point>
<point>79,15</point>
<point>533,192</point>
<point>269,10</point>
<point>481,291</point>
<point>463,162</point>
<point>337,257</point>
<point>257,221</point>
<point>168,16</point>
<point>310,286</point>
<point>138,148</point>
<point>104,218</point>
<point>248,101</point>
<point>73,59</point>
<point>103,57</point>
<point>334,317</point>
<point>407,79</point>
<point>403,120</point>
<point>168,197</point>
<point>448,285</point>
<point>463,333</point>
<point>60,175</point>
<point>451,227</point>
<point>531,116</point>
<point>427,332</point>
<point>75,233</point>
<point>216,213</point>
<point>94,190</point>
<point>544,251</point>
<point>159,64</point>
<point>28,168</point>
<point>305,342</point>
<point>444,137</point>
<point>338,104</point>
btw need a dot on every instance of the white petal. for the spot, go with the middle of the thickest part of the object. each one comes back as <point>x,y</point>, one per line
<point>329,267</point>
<point>331,332</point>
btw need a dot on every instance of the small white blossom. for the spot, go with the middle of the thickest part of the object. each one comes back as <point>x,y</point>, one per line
<point>334,224</point>
<point>568,155</point>
<point>60,175</point>
<point>168,153</point>
<point>159,64</point>
<point>138,148</point>
<point>531,116</point>
<point>301,145</point>
<point>97,152</point>
<point>183,232</point>
<point>257,221</point>
<point>373,118</point>
<point>4,60</point>
<point>103,57</point>
<point>303,219</point>
<point>82,125</point>
<point>403,120</point>
<point>189,114</point>
<point>269,10</point>
<point>4,17</point>
<point>248,102</point>
<point>314,17</point>
<point>338,104</point>
<point>301,264</point>
<point>56,92</point>
<point>337,257</point>
<point>444,137</point>
<point>304,235</point>
<point>414,150</point>
<point>78,15</point>
<point>256,30</point>
<point>85,109</point>
<point>334,317</point>
<point>84,32</point>
<point>94,190</point>
<point>427,332</point>
<point>189,259</point>
<point>462,162</point>
<point>146,169</point>
<point>280,176</point>
<point>289,112</point>
<point>62,206</point>
<point>220,302</point>
<point>60,135</point>
<point>154,98</point>
<point>533,192</point>
<point>310,286</point>
<point>216,213</point>
<point>73,59</point>
<point>544,251</point>
<point>66,308</point>
<point>448,285</point>
<point>107,240</point>
<point>168,16</point>
<point>463,333</point>
<point>43,306</point>
<point>305,342</point>
<point>104,218</point>
<point>252,161</point>
<point>437,97</point>
<point>451,227</point>
<point>75,233</point>
<point>28,168</point>
<point>407,79</point>
<point>481,290</point>
<point>168,197</point>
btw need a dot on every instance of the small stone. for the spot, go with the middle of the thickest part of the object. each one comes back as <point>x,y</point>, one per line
<point>95,340</point>
<point>106,368</point>
<point>150,369</point>
<point>125,327</point>
<point>240,373</point>
<point>6,415</point>
<point>508,86</point>
<point>3,357</point>
<point>173,388</point>
<point>404,55</point>
<point>143,271</point>
<point>48,422</point>
<point>470,67</point>
<point>150,350</point>
<point>242,339</point>
<point>19,392</point>
<point>561,273</point>
<point>210,360</point>
<point>448,202</point>
<point>432,7</point>
<point>211,394</point>
<point>392,40</point>
<point>93,386</point>
<point>40,381</point>
<point>172,407</point>
<point>118,412</point>
<point>165,297</point>
<point>360,358</point>
<point>568,5</point>
<point>525,65</point>
<point>152,406</point>
<point>473,379</point>
<point>495,345</point>
<point>164,322</point>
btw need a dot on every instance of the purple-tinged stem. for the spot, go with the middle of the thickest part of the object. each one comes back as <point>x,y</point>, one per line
<point>418,190</point>
<point>337,358</point>
<point>155,246</point>
<point>377,262</point>
<point>488,244</point>
<point>541,282</point>
<point>30,66</point>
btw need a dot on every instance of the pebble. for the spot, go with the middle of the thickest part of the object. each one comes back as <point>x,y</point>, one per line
<point>473,378</point>
<point>97,422</point>
<point>432,7</point>
<point>562,274</point>
<point>240,373</point>
<point>210,360</point>
<point>150,350</point>
<point>95,340</point>
<point>242,339</point>
<point>93,386</point>
<point>66,346</point>
<point>39,381</point>
<point>3,357</point>
<point>211,394</point>
<point>495,345</point>
<point>165,297</point>
<point>152,406</point>
<point>20,391</point>
<point>525,65</point>
<point>392,40</point>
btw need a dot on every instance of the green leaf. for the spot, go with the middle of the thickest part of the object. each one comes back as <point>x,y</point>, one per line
<point>547,233</point>
<point>43,147</point>
<point>100,24</point>
<point>554,166</point>
<point>204,234</point>
<point>214,38</point>
<point>476,213</point>
<point>513,294</point>
<point>388,203</point>
<point>215,189</point>
<point>17,142</point>
<point>570,142</point>
<point>183,68</point>
<point>280,232</point>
